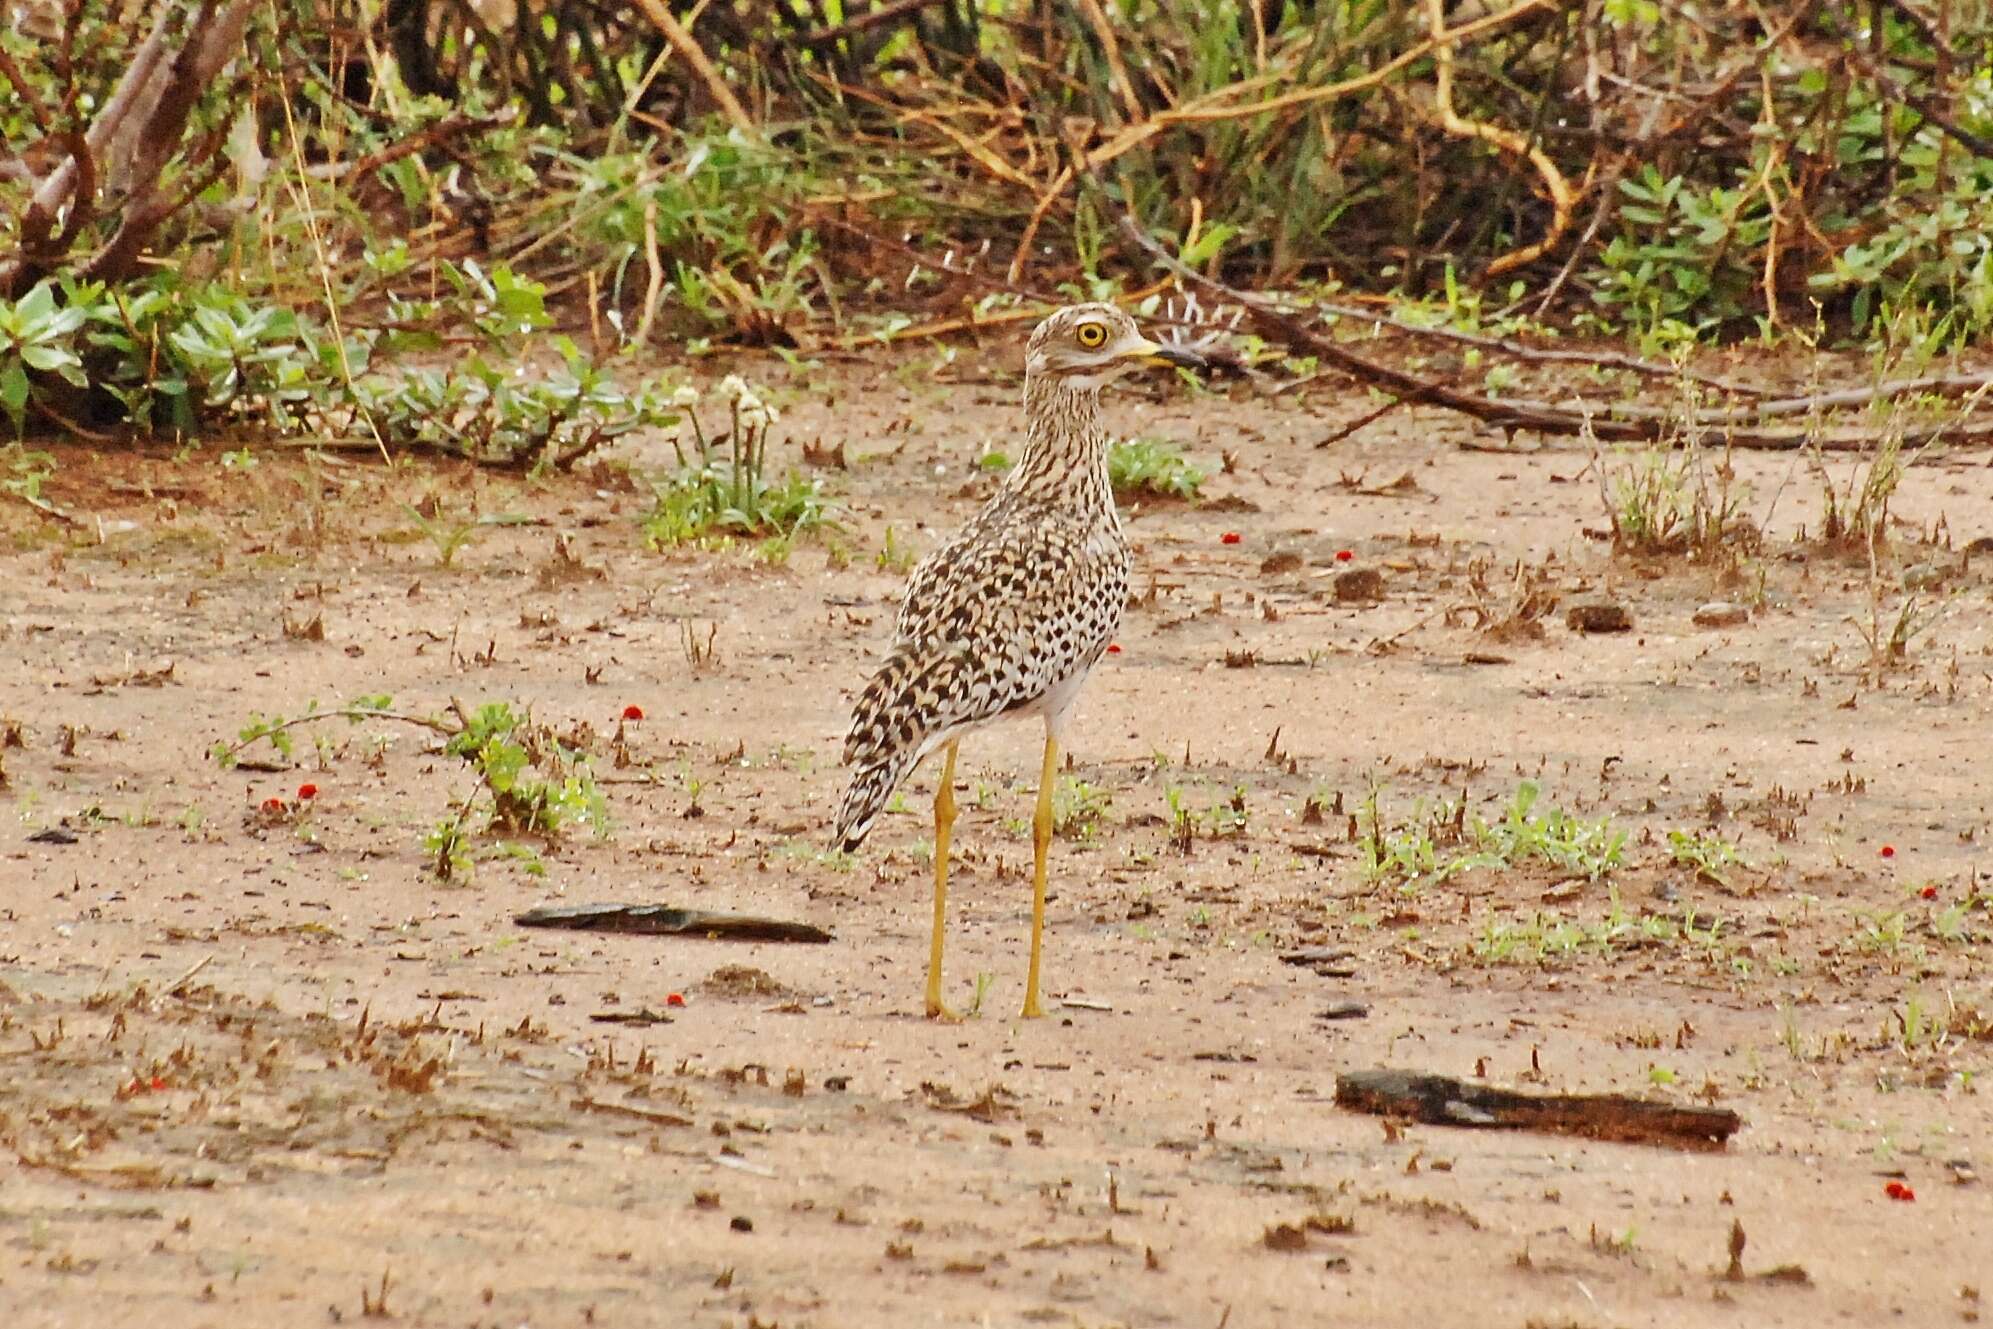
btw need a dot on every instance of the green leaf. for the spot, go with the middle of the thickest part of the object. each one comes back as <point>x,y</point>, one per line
<point>1208,244</point>
<point>14,391</point>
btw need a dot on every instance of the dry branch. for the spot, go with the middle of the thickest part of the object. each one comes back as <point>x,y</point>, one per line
<point>121,159</point>
<point>1612,422</point>
<point>899,9</point>
<point>1440,1100</point>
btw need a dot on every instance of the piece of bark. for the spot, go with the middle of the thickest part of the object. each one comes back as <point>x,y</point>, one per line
<point>1314,955</point>
<point>659,919</point>
<point>643,1017</point>
<point>1441,1100</point>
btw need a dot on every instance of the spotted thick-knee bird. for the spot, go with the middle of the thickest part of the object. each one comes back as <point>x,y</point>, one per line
<point>1007,617</point>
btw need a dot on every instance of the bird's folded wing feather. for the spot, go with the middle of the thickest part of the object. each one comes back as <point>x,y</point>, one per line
<point>986,627</point>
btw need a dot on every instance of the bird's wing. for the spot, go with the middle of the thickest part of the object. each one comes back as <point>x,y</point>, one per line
<point>988,625</point>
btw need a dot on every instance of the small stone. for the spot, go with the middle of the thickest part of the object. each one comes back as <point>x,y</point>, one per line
<point>1599,616</point>
<point>1721,614</point>
<point>1279,561</point>
<point>1359,585</point>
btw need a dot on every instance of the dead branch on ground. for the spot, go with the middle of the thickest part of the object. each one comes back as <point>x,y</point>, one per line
<point>1612,422</point>
<point>1440,1100</point>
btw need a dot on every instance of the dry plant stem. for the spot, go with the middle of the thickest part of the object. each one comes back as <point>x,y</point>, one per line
<point>302,192</point>
<point>1562,199</point>
<point>654,268</point>
<point>1051,195</point>
<point>681,41</point>
<point>416,142</point>
<point>982,155</point>
<point>1521,351</point>
<point>213,39</point>
<point>1212,107</point>
<point>358,713</point>
<point>1110,50</point>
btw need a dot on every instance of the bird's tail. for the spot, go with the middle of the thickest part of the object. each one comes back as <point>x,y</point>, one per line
<point>865,797</point>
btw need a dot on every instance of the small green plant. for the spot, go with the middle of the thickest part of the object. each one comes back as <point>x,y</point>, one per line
<point>35,332</point>
<point>895,555</point>
<point>1151,466</point>
<point>1077,809</point>
<point>1406,854</point>
<point>714,495</point>
<point>1230,817</point>
<point>23,473</point>
<point>449,847</point>
<point>984,981</point>
<point>1181,820</point>
<point>1683,263</point>
<point>1706,852</point>
<point>1676,500</point>
<point>530,781</point>
<point>536,783</point>
<point>1555,837</point>
<point>445,533</point>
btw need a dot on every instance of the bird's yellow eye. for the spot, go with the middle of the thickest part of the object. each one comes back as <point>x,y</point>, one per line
<point>1091,334</point>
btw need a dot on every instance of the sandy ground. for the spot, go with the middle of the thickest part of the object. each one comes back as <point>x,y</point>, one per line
<point>257,1066</point>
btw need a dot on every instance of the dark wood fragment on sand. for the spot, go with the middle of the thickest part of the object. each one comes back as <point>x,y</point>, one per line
<point>1441,1100</point>
<point>664,920</point>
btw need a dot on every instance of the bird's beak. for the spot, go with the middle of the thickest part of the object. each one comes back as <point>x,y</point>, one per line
<point>1155,353</point>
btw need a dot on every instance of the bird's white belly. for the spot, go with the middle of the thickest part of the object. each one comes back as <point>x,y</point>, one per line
<point>1056,702</point>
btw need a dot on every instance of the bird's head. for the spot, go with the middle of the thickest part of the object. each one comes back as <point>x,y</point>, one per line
<point>1086,345</point>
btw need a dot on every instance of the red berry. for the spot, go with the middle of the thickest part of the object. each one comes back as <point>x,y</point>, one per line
<point>1929,892</point>
<point>1896,1190</point>
<point>633,712</point>
<point>307,791</point>
<point>1344,555</point>
<point>273,805</point>
<point>1889,851</point>
<point>158,1082</point>
<point>1229,538</point>
<point>1114,648</point>
<point>674,999</point>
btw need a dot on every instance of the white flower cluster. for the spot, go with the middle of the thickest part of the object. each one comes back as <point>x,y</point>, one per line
<point>753,410</point>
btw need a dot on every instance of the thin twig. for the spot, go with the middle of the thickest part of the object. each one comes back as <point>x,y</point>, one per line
<point>353,713</point>
<point>1562,199</point>
<point>675,33</point>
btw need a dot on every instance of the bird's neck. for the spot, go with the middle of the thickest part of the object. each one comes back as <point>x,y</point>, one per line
<point>1065,449</point>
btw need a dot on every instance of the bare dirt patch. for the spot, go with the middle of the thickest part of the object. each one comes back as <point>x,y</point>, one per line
<point>376,1095</point>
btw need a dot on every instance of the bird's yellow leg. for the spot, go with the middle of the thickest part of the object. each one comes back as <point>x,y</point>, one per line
<point>1041,845</point>
<point>944,825</point>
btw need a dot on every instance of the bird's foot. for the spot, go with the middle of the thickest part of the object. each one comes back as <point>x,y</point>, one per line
<point>936,1010</point>
<point>1032,1010</point>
